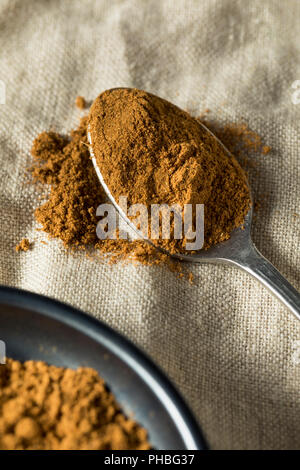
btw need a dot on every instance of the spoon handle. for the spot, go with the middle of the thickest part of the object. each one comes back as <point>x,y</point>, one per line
<point>252,261</point>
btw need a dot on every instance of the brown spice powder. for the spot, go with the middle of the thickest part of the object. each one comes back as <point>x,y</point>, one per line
<point>69,213</point>
<point>24,245</point>
<point>52,408</point>
<point>70,210</point>
<point>80,102</point>
<point>239,140</point>
<point>152,152</point>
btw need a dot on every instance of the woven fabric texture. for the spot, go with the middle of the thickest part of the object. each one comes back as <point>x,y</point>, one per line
<point>229,346</point>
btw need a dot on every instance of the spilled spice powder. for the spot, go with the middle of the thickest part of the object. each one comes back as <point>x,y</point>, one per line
<point>24,245</point>
<point>44,407</point>
<point>239,140</point>
<point>70,210</point>
<point>152,152</point>
<point>266,149</point>
<point>80,102</point>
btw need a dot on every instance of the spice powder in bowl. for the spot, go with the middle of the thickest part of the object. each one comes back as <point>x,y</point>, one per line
<point>152,152</point>
<point>44,407</point>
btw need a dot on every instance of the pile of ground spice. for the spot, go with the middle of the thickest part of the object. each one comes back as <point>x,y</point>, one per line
<point>69,213</point>
<point>64,163</point>
<point>24,245</point>
<point>45,407</point>
<point>152,152</point>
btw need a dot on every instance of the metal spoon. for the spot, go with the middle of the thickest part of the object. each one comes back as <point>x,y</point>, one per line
<point>239,250</point>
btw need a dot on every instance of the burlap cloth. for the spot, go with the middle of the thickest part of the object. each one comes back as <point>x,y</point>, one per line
<point>230,347</point>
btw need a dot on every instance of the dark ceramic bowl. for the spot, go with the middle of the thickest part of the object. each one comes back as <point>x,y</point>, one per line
<point>36,327</point>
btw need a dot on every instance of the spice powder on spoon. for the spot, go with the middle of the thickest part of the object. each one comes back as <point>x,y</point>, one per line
<point>152,152</point>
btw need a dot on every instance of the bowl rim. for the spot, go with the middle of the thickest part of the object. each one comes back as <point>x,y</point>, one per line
<point>122,347</point>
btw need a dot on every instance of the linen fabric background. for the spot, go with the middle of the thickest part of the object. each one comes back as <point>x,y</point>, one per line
<point>229,346</point>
